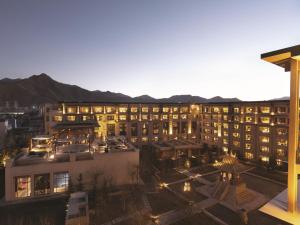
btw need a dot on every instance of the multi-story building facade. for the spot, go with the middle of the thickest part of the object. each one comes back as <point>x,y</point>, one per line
<point>255,130</point>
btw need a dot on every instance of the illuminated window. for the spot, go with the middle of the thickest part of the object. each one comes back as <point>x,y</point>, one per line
<point>282,142</point>
<point>264,139</point>
<point>109,118</point>
<point>225,125</point>
<point>248,137</point>
<point>215,139</point>
<point>280,152</point>
<point>99,118</point>
<point>225,133</point>
<point>249,109</point>
<point>71,110</point>
<point>247,146</point>
<point>236,109</point>
<point>225,109</point>
<point>264,149</point>
<point>281,109</point>
<point>225,141</point>
<point>71,118</point>
<point>184,109</point>
<point>225,149</point>
<point>248,155</point>
<point>165,109</point>
<point>264,130</point>
<point>133,109</point>
<point>122,117</point>
<point>281,131</point>
<point>248,128</point>
<point>236,143</point>
<point>61,182</point>
<point>279,162</point>
<point>237,135</point>
<point>133,139</point>
<point>265,109</point>
<point>23,186</point>
<point>236,126</point>
<point>133,117</point>
<point>281,120</point>
<point>110,109</point>
<point>165,117</point>
<point>175,109</point>
<point>248,119</point>
<point>264,159</point>
<point>155,109</point>
<point>155,117</point>
<point>86,118</point>
<point>175,116</point>
<point>144,117</point>
<point>123,109</point>
<point>57,118</point>
<point>216,109</point>
<point>84,109</point>
<point>144,139</point>
<point>183,116</point>
<point>265,119</point>
<point>98,109</point>
<point>144,109</point>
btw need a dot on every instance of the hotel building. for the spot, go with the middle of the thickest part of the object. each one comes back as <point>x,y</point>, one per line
<point>257,131</point>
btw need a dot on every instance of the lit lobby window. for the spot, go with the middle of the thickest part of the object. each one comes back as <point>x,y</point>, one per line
<point>23,186</point>
<point>264,159</point>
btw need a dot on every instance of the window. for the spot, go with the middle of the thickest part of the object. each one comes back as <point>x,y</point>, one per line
<point>84,109</point>
<point>184,109</point>
<point>110,109</point>
<point>282,142</point>
<point>225,141</point>
<point>225,117</point>
<point>23,186</point>
<point>165,117</point>
<point>61,182</point>
<point>123,109</point>
<point>155,109</point>
<point>265,109</point>
<point>281,131</point>
<point>71,118</point>
<point>264,159</point>
<point>248,155</point>
<point>175,109</point>
<point>57,118</point>
<point>156,128</point>
<point>122,117</point>
<point>175,116</point>
<point>133,109</point>
<point>216,109</point>
<point>71,110</point>
<point>264,130</point>
<point>236,135</point>
<point>42,184</point>
<point>248,119</point>
<point>98,109</point>
<point>86,118</point>
<point>281,109</point>
<point>133,117</point>
<point>264,119</point>
<point>236,126</point>
<point>248,128</point>
<point>248,146</point>
<point>109,118</point>
<point>225,125</point>
<point>155,117</point>
<point>280,152</point>
<point>236,143</point>
<point>122,129</point>
<point>134,129</point>
<point>144,109</point>
<point>264,149</point>
<point>281,120</point>
<point>165,109</point>
<point>249,109</point>
<point>225,109</point>
<point>183,116</point>
<point>236,110</point>
<point>248,137</point>
<point>264,139</point>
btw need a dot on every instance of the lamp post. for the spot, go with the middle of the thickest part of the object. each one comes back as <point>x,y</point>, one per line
<point>289,59</point>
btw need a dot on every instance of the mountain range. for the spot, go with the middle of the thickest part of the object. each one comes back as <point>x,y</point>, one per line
<point>40,89</point>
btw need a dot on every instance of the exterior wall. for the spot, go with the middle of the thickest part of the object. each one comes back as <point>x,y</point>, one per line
<point>112,165</point>
<point>256,130</point>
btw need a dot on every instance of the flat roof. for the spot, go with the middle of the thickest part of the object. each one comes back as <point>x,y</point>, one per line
<point>282,56</point>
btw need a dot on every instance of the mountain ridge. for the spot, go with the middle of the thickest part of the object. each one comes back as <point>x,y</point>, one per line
<point>31,91</point>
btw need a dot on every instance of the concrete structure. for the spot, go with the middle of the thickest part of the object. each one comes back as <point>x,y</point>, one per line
<point>78,209</point>
<point>289,59</point>
<point>256,131</point>
<point>37,175</point>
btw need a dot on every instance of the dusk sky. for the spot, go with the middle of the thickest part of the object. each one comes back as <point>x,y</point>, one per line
<point>155,47</point>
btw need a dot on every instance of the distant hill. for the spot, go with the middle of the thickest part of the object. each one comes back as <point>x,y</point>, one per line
<point>40,89</point>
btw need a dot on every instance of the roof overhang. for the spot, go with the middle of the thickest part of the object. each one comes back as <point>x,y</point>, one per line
<point>282,57</point>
